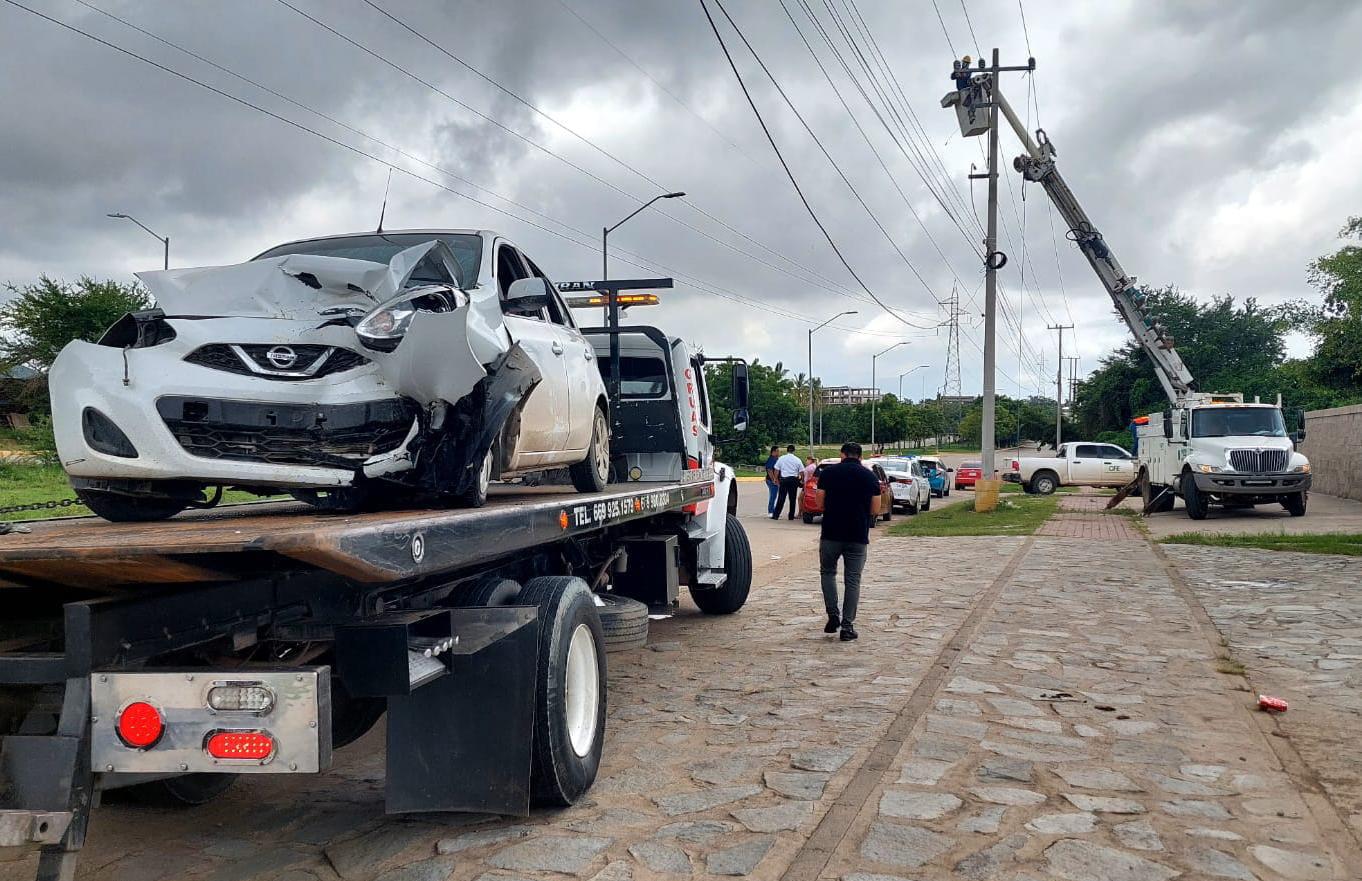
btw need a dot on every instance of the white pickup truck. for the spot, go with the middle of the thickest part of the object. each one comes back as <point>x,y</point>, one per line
<point>1074,464</point>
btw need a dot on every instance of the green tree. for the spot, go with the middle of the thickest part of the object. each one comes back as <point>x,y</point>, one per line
<point>1337,327</point>
<point>42,317</point>
<point>774,414</point>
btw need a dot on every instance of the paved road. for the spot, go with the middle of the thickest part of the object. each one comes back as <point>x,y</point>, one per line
<point>1045,708</point>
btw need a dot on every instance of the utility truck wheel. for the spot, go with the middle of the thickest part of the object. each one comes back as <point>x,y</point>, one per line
<point>1044,483</point>
<point>592,474</point>
<point>624,622</point>
<point>1295,503</point>
<point>1198,503</point>
<point>186,791</point>
<point>1157,499</point>
<point>569,705</point>
<point>738,565</point>
<point>129,509</point>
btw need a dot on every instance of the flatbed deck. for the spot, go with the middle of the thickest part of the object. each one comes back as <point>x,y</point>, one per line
<point>375,547</point>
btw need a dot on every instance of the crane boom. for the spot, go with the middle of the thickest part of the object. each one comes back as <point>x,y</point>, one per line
<point>1038,165</point>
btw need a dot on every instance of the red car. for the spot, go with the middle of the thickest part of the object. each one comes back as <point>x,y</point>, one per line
<point>968,473</point>
<point>808,500</point>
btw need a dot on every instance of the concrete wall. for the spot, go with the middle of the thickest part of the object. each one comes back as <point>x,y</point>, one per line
<point>1333,442</point>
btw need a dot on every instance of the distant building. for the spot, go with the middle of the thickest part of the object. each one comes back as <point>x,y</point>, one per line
<point>834,395</point>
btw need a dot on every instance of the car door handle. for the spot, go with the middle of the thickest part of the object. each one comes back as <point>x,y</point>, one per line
<point>589,354</point>
<point>557,347</point>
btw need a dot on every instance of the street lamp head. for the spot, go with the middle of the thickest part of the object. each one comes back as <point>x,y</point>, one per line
<point>116,215</point>
<point>676,195</point>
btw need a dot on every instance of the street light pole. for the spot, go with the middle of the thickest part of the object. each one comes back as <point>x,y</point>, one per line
<point>874,392</point>
<point>612,305</point>
<point>164,240</point>
<point>905,373</point>
<point>811,331</point>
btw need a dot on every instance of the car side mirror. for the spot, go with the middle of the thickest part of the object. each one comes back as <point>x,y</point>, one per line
<point>527,295</point>
<point>1168,424</point>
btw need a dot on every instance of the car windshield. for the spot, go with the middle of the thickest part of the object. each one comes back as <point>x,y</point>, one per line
<point>1237,422</point>
<point>382,247</point>
<point>895,464</point>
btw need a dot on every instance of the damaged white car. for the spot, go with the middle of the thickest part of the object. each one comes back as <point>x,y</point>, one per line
<point>345,370</point>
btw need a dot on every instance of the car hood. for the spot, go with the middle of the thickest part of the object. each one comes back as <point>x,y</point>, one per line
<point>297,286</point>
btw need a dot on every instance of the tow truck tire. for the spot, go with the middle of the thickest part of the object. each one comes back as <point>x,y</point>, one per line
<point>569,705</point>
<point>488,591</point>
<point>186,791</point>
<point>624,622</point>
<point>592,474</point>
<point>1044,483</point>
<point>738,565</point>
<point>119,508</point>
<point>1295,503</point>
<point>1198,504</point>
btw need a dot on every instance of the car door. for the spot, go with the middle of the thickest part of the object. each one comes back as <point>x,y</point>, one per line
<point>1118,466</point>
<point>585,386</point>
<point>1085,466</point>
<point>546,414</point>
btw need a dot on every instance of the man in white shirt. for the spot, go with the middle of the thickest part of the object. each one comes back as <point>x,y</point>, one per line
<point>788,468</point>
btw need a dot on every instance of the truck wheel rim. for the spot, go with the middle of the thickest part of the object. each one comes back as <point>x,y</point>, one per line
<point>582,695</point>
<point>602,461</point>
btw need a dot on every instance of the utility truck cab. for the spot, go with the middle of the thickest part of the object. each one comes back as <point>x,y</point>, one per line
<point>1216,448</point>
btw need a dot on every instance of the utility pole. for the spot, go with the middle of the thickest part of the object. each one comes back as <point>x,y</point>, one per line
<point>1059,383</point>
<point>980,94</point>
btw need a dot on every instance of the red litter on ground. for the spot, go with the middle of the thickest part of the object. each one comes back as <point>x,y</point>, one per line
<point>1271,704</point>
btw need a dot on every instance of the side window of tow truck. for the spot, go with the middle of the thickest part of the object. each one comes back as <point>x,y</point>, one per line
<point>697,367</point>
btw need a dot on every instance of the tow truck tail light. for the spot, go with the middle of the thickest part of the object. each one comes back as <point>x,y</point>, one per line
<point>693,464</point>
<point>140,725</point>
<point>241,697</point>
<point>240,745</point>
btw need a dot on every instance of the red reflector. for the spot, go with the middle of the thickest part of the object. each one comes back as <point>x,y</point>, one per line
<point>240,745</point>
<point>140,725</point>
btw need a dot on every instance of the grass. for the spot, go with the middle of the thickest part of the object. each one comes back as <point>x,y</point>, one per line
<point>1013,516</point>
<point>24,484</point>
<point>1229,666</point>
<point>1343,543</point>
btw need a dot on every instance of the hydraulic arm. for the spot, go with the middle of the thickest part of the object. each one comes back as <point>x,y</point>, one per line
<point>1039,165</point>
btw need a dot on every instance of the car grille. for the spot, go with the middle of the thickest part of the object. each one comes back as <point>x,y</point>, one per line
<point>252,359</point>
<point>1258,461</point>
<point>342,435</point>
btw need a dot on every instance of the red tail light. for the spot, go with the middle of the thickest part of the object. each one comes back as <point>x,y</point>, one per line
<point>1016,466</point>
<point>247,745</point>
<point>693,464</point>
<point>140,725</point>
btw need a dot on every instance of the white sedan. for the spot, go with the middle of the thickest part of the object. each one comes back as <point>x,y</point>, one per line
<point>911,490</point>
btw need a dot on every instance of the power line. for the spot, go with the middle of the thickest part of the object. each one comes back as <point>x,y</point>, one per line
<point>788,172</point>
<point>947,33</point>
<point>977,48</point>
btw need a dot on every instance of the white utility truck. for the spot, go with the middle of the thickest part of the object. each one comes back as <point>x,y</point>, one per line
<point>1203,447</point>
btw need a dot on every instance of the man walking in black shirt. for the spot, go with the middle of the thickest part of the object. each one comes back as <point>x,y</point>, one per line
<point>850,495</point>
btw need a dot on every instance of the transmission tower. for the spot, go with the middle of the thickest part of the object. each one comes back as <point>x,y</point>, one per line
<point>950,383</point>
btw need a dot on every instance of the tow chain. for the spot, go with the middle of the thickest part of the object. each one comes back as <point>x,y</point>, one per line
<point>51,504</point>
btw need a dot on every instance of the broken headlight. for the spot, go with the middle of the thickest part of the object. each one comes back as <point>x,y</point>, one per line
<point>383,328</point>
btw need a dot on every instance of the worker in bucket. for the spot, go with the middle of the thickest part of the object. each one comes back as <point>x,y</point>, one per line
<point>962,74</point>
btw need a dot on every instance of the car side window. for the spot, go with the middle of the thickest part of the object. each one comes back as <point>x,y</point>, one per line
<point>508,269</point>
<point>558,310</point>
<point>1111,452</point>
<point>1087,451</point>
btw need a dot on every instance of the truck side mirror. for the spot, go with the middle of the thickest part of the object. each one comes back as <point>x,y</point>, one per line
<point>740,387</point>
<point>740,420</point>
<point>1298,436</point>
<point>1168,424</point>
<point>526,295</point>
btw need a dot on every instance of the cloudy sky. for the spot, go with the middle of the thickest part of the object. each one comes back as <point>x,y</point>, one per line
<point>1214,144</point>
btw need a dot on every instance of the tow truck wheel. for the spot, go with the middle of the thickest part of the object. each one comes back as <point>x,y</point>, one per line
<point>592,474</point>
<point>738,565</point>
<point>119,508</point>
<point>488,591</point>
<point>1295,504</point>
<point>569,706</point>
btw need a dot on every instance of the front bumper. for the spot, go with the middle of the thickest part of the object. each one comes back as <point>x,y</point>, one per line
<point>1230,483</point>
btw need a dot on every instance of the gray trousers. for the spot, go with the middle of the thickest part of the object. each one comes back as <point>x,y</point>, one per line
<point>852,555</point>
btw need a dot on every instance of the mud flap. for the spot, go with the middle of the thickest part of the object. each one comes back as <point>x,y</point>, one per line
<point>464,742</point>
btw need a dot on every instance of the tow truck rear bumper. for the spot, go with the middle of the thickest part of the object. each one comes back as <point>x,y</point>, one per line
<point>1252,484</point>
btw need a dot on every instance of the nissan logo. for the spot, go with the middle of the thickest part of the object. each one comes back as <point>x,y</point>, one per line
<point>281,357</point>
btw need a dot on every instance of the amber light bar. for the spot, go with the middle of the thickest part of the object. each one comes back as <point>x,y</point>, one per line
<point>622,299</point>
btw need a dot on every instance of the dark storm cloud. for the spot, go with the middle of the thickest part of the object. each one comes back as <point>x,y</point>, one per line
<point>1186,129</point>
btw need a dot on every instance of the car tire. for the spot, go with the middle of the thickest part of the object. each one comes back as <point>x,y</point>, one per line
<point>808,518</point>
<point>738,566</point>
<point>928,505</point>
<point>1296,502</point>
<point>624,622</point>
<point>945,493</point>
<point>592,474</point>
<point>476,494</point>
<point>340,499</point>
<point>119,508</point>
<point>1045,483</point>
<point>569,705</point>
<point>1198,504</point>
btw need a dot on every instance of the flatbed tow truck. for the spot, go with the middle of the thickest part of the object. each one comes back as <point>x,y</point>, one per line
<point>179,656</point>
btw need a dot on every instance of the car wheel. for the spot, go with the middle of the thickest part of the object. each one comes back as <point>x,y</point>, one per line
<point>1295,503</point>
<point>946,492</point>
<point>927,505</point>
<point>1044,484</point>
<point>808,518</point>
<point>476,494</point>
<point>569,706</point>
<point>130,509</point>
<point>592,474</point>
<point>342,499</point>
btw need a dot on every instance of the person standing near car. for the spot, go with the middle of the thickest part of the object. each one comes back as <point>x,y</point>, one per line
<point>772,480</point>
<point>788,468</point>
<point>850,496</point>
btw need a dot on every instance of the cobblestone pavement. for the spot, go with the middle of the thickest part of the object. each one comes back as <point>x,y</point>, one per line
<point>1018,709</point>
<point>1295,622</point>
<point>1086,516</point>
